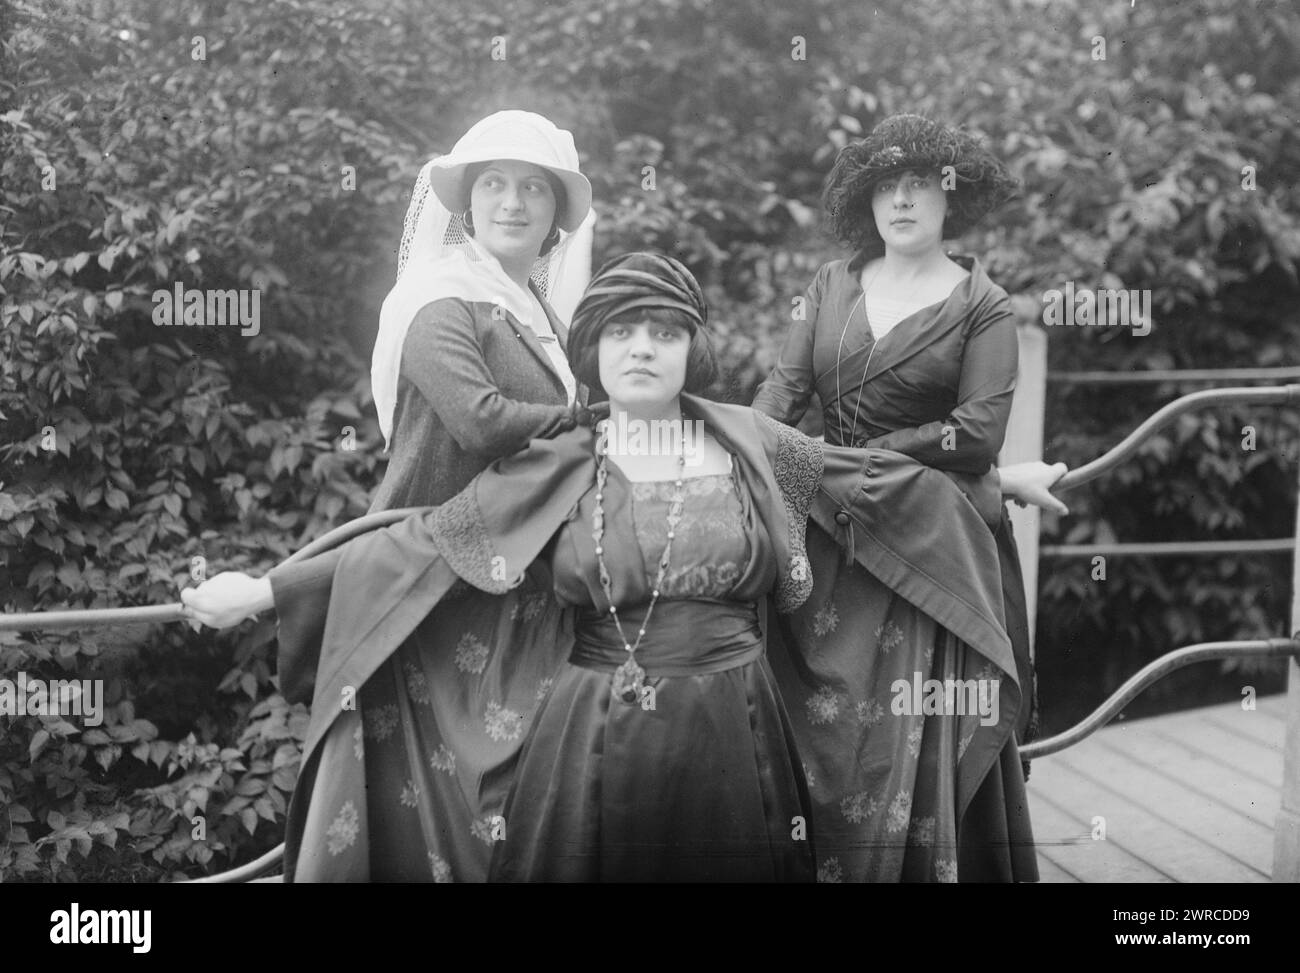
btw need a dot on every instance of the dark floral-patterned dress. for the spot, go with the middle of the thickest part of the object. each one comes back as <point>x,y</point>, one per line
<point>902,793</point>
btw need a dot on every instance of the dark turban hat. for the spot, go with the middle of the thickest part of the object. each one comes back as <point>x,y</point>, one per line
<point>641,282</point>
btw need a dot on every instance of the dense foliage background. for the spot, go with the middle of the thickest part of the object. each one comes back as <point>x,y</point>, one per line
<point>145,143</point>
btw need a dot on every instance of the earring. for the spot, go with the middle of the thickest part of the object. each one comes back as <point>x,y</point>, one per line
<point>467,218</point>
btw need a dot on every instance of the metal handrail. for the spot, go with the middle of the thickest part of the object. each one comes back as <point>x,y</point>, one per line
<point>1154,670</point>
<point>272,860</point>
<point>175,612</point>
<point>1163,417</point>
<point>1177,376</point>
<point>1280,545</point>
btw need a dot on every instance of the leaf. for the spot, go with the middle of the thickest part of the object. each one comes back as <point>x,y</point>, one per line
<point>249,818</point>
<point>284,778</point>
<point>107,756</point>
<point>39,740</point>
<point>56,821</point>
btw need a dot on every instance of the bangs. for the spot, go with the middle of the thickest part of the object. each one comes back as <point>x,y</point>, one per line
<point>660,316</point>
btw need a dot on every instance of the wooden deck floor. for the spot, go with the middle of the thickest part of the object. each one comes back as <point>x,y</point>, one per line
<point>1189,797</point>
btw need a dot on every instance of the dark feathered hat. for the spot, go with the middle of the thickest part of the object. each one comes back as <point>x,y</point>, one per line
<point>911,142</point>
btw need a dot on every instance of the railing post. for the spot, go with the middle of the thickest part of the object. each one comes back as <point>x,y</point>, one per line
<point>1286,833</point>
<point>1024,443</point>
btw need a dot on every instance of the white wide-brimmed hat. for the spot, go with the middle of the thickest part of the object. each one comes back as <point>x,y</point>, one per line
<point>524,137</point>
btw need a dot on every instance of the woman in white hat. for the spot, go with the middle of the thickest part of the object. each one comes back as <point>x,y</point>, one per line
<point>468,366</point>
<point>469,362</point>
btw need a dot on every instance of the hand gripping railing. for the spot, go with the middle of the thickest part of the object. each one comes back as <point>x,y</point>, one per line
<point>51,621</point>
<point>175,612</point>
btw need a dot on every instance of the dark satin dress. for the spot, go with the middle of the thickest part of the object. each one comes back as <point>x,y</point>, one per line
<point>938,388</point>
<point>698,781</point>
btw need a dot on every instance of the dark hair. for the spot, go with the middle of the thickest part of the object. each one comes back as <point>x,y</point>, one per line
<point>701,362</point>
<point>475,169</point>
<point>910,142</point>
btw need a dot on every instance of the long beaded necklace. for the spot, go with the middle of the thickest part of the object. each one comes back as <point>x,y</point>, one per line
<point>629,678</point>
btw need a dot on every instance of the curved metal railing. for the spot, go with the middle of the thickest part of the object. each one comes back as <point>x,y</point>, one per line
<point>1163,417</point>
<point>1201,652</point>
<point>1155,670</point>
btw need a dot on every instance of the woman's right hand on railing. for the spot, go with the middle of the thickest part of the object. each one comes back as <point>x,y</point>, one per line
<point>1026,483</point>
<point>226,599</point>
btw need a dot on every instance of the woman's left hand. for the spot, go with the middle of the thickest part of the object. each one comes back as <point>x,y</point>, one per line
<point>1027,483</point>
<point>227,599</point>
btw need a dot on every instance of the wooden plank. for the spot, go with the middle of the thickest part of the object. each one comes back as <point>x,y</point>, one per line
<point>1115,788</point>
<point>1161,792</point>
<point>1199,772</point>
<point>1248,756</point>
<point>1273,706</point>
<point>1247,725</point>
<point>1049,871</point>
<point>1067,841</point>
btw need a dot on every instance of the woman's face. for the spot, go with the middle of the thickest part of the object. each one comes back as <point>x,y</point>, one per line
<point>513,206</point>
<point>909,208</point>
<point>643,362</point>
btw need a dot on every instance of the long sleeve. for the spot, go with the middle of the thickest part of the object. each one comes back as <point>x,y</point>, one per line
<point>488,534</point>
<point>302,595</point>
<point>968,440</point>
<point>784,395</point>
<point>443,359</point>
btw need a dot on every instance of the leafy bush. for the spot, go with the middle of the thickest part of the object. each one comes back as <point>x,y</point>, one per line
<point>269,146</point>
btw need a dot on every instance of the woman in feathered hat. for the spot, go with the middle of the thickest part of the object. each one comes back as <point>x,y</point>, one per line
<point>661,749</point>
<point>914,350</point>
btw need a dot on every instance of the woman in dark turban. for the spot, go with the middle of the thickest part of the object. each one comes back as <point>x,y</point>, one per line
<point>661,749</point>
<point>913,350</point>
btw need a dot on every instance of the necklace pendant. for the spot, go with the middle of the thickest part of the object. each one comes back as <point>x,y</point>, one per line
<point>629,681</point>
